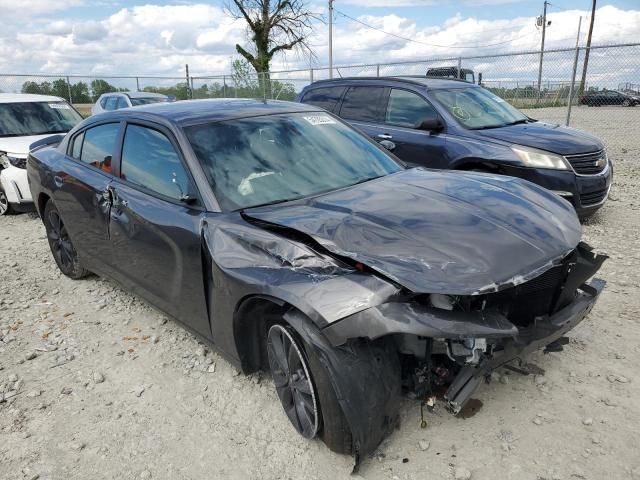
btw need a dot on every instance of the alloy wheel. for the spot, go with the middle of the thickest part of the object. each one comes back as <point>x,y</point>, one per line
<point>4,203</point>
<point>59,240</point>
<point>292,380</point>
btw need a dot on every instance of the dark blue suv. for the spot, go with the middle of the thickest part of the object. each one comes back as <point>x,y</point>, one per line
<point>440,123</point>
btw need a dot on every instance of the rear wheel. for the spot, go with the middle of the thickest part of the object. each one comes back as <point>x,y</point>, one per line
<point>305,390</point>
<point>5,206</point>
<point>626,103</point>
<point>64,253</point>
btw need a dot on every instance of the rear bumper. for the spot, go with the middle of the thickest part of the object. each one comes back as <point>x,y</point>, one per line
<point>587,193</point>
<point>15,185</point>
<point>542,333</point>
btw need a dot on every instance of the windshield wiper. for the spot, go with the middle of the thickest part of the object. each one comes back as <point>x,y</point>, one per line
<point>367,179</point>
<point>517,122</point>
<point>486,127</point>
<point>273,202</point>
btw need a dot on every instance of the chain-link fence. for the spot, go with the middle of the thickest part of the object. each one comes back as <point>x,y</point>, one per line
<point>566,94</point>
<point>612,81</point>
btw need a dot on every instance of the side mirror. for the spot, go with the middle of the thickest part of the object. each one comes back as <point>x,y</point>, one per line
<point>431,124</point>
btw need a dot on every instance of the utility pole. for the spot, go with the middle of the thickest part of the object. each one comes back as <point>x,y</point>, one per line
<point>586,52</point>
<point>573,76</point>
<point>330,38</point>
<point>542,20</point>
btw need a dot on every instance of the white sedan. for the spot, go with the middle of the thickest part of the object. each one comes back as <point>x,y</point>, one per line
<point>25,119</point>
<point>117,100</point>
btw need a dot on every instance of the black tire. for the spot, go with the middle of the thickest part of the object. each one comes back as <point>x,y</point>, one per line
<point>64,253</point>
<point>329,423</point>
<point>626,103</point>
<point>5,206</point>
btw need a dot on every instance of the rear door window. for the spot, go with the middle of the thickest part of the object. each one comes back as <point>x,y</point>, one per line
<point>98,146</point>
<point>362,103</point>
<point>150,160</point>
<point>326,97</point>
<point>406,109</point>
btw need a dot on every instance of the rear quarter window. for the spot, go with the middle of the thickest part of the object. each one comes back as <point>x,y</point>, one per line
<point>326,97</point>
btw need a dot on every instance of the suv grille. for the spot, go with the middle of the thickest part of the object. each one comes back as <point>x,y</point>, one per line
<point>588,163</point>
<point>592,198</point>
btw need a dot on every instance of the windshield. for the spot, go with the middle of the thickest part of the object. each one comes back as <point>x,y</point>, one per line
<point>477,108</point>
<point>36,118</point>
<point>147,100</point>
<point>274,158</point>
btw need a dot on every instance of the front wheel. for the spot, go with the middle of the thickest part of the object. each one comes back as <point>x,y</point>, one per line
<point>305,390</point>
<point>64,253</point>
<point>5,206</point>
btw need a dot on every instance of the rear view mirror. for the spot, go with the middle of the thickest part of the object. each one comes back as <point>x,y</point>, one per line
<point>431,124</point>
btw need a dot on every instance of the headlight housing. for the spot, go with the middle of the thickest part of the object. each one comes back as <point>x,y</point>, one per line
<point>532,157</point>
<point>6,160</point>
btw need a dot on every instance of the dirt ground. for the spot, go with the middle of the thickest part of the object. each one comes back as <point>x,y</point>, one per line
<point>96,384</point>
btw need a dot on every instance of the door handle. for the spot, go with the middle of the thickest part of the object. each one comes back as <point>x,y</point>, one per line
<point>58,180</point>
<point>384,136</point>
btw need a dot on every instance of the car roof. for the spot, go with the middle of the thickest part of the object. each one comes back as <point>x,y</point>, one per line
<point>136,94</point>
<point>208,110</point>
<point>144,95</point>
<point>423,81</point>
<point>28,97</point>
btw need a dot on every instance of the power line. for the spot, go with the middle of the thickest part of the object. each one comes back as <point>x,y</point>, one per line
<point>425,43</point>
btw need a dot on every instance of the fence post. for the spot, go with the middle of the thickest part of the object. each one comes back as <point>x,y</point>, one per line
<point>459,66</point>
<point>224,86</point>
<point>311,75</point>
<point>137,84</point>
<point>573,76</point>
<point>186,69</point>
<point>377,70</point>
<point>69,91</point>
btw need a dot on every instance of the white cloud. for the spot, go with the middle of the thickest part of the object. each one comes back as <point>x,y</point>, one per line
<point>29,8</point>
<point>161,39</point>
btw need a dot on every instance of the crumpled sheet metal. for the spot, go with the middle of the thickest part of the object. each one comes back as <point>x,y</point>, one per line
<point>438,232</point>
<point>275,266</point>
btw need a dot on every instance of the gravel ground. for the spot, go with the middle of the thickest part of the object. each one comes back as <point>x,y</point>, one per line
<point>96,384</point>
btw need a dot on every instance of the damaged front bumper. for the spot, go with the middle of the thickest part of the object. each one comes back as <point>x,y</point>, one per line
<point>528,339</point>
<point>506,340</point>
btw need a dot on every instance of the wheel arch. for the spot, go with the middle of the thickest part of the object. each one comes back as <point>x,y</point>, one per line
<point>251,320</point>
<point>42,201</point>
<point>468,164</point>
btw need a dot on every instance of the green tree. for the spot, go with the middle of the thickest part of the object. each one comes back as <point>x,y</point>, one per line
<point>99,86</point>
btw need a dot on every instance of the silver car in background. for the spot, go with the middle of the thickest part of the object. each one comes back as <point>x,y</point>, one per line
<point>117,100</point>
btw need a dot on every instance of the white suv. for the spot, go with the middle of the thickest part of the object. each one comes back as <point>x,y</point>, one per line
<point>25,119</point>
<point>117,100</point>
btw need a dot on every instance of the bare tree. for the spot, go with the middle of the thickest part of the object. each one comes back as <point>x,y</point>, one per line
<point>273,26</point>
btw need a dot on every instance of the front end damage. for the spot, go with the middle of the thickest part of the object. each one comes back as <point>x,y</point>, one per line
<point>455,342</point>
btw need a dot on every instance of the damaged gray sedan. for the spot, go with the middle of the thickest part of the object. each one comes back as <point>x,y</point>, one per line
<point>294,244</point>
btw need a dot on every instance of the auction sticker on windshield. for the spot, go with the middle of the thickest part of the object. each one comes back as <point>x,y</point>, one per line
<point>319,119</point>
<point>61,106</point>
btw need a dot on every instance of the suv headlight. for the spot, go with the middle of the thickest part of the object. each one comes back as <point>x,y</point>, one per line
<point>532,157</point>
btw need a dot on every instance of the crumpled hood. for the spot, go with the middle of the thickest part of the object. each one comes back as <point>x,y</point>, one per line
<point>19,146</point>
<point>546,136</point>
<point>434,231</point>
